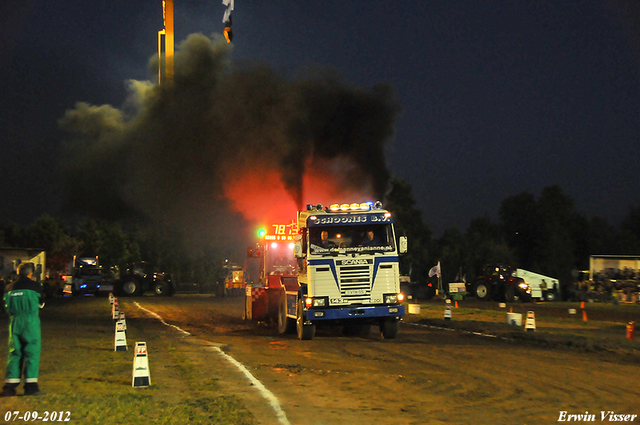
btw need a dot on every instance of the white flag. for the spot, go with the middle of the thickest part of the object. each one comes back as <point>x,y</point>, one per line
<point>435,270</point>
<point>227,12</point>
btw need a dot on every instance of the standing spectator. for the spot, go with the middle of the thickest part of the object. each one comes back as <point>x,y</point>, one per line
<point>23,301</point>
<point>543,289</point>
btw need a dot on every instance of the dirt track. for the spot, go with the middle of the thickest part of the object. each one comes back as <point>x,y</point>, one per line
<point>424,376</point>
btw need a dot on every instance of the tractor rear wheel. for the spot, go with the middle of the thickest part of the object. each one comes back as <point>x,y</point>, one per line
<point>285,324</point>
<point>130,287</point>
<point>482,290</point>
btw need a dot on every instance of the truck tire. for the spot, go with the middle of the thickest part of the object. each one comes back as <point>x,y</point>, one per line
<point>550,296</point>
<point>161,289</point>
<point>389,328</point>
<point>285,324</point>
<point>130,287</point>
<point>305,332</point>
<point>482,290</point>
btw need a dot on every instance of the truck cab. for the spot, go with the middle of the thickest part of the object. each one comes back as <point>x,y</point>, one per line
<point>346,272</point>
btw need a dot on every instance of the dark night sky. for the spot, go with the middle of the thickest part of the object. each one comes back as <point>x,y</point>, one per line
<point>498,97</point>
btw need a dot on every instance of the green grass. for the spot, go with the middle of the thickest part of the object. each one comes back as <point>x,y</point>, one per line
<point>554,326</point>
<point>81,373</point>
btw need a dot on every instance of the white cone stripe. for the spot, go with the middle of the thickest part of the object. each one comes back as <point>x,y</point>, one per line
<point>273,400</point>
<point>157,316</point>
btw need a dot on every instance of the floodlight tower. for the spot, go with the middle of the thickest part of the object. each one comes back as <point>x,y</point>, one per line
<point>167,15</point>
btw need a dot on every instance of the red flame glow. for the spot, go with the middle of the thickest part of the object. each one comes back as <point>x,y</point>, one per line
<point>261,197</point>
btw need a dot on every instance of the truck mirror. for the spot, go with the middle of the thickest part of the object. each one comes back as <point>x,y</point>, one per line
<point>403,245</point>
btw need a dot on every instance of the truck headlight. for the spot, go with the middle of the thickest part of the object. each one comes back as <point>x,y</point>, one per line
<point>391,298</point>
<point>316,302</point>
<point>319,302</point>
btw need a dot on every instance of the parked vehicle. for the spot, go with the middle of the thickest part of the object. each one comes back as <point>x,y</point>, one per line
<point>500,282</point>
<point>140,277</point>
<point>543,288</point>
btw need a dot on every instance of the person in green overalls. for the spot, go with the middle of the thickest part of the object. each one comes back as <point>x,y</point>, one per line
<point>23,300</point>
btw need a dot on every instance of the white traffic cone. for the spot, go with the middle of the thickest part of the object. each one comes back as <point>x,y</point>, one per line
<point>141,377</point>
<point>122,320</point>
<point>121,338</point>
<point>111,298</point>
<point>447,313</point>
<point>115,312</point>
<point>530,324</point>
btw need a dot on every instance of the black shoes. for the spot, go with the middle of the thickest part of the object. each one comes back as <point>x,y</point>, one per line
<point>32,388</point>
<point>9,390</point>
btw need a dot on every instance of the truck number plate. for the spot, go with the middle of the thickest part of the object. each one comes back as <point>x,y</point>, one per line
<point>355,292</point>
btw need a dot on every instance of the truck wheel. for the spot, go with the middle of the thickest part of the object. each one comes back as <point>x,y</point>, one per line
<point>304,331</point>
<point>130,288</point>
<point>482,290</point>
<point>285,325</point>
<point>161,288</point>
<point>550,296</point>
<point>389,328</point>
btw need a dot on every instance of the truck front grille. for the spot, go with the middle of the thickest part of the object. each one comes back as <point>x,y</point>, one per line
<point>355,282</point>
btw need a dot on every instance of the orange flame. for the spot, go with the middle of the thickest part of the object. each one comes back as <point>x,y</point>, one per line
<point>261,197</point>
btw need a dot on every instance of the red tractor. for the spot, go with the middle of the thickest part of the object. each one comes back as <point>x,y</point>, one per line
<point>499,283</point>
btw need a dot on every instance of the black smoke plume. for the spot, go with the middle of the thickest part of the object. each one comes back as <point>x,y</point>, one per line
<point>165,154</point>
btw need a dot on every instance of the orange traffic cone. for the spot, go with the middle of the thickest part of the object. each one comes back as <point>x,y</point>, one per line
<point>582,304</point>
<point>456,304</point>
<point>511,310</point>
<point>584,315</point>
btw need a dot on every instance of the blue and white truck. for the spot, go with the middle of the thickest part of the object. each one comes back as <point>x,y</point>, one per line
<point>346,272</point>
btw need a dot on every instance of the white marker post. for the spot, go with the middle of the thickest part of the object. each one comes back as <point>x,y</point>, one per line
<point>115,312</point>
<point>122,320</point>
<point>530,325</point>
<point>141,377</point>
<point>447,313</point>
<point>121,338</point>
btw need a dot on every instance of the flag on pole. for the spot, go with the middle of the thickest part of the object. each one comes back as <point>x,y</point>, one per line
<point>227,12</point>
<point>435,270</point>
<point>226,19</point>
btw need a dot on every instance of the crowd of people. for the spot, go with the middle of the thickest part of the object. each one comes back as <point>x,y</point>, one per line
<point>609,285</point>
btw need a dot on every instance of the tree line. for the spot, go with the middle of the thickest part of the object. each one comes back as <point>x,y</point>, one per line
<point>112,243</point>
<point>545,235</point>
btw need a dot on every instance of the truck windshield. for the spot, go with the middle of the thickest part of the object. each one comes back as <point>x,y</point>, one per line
<point>280,260</point>
<point>90,271</point>
<point>334,239</point>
